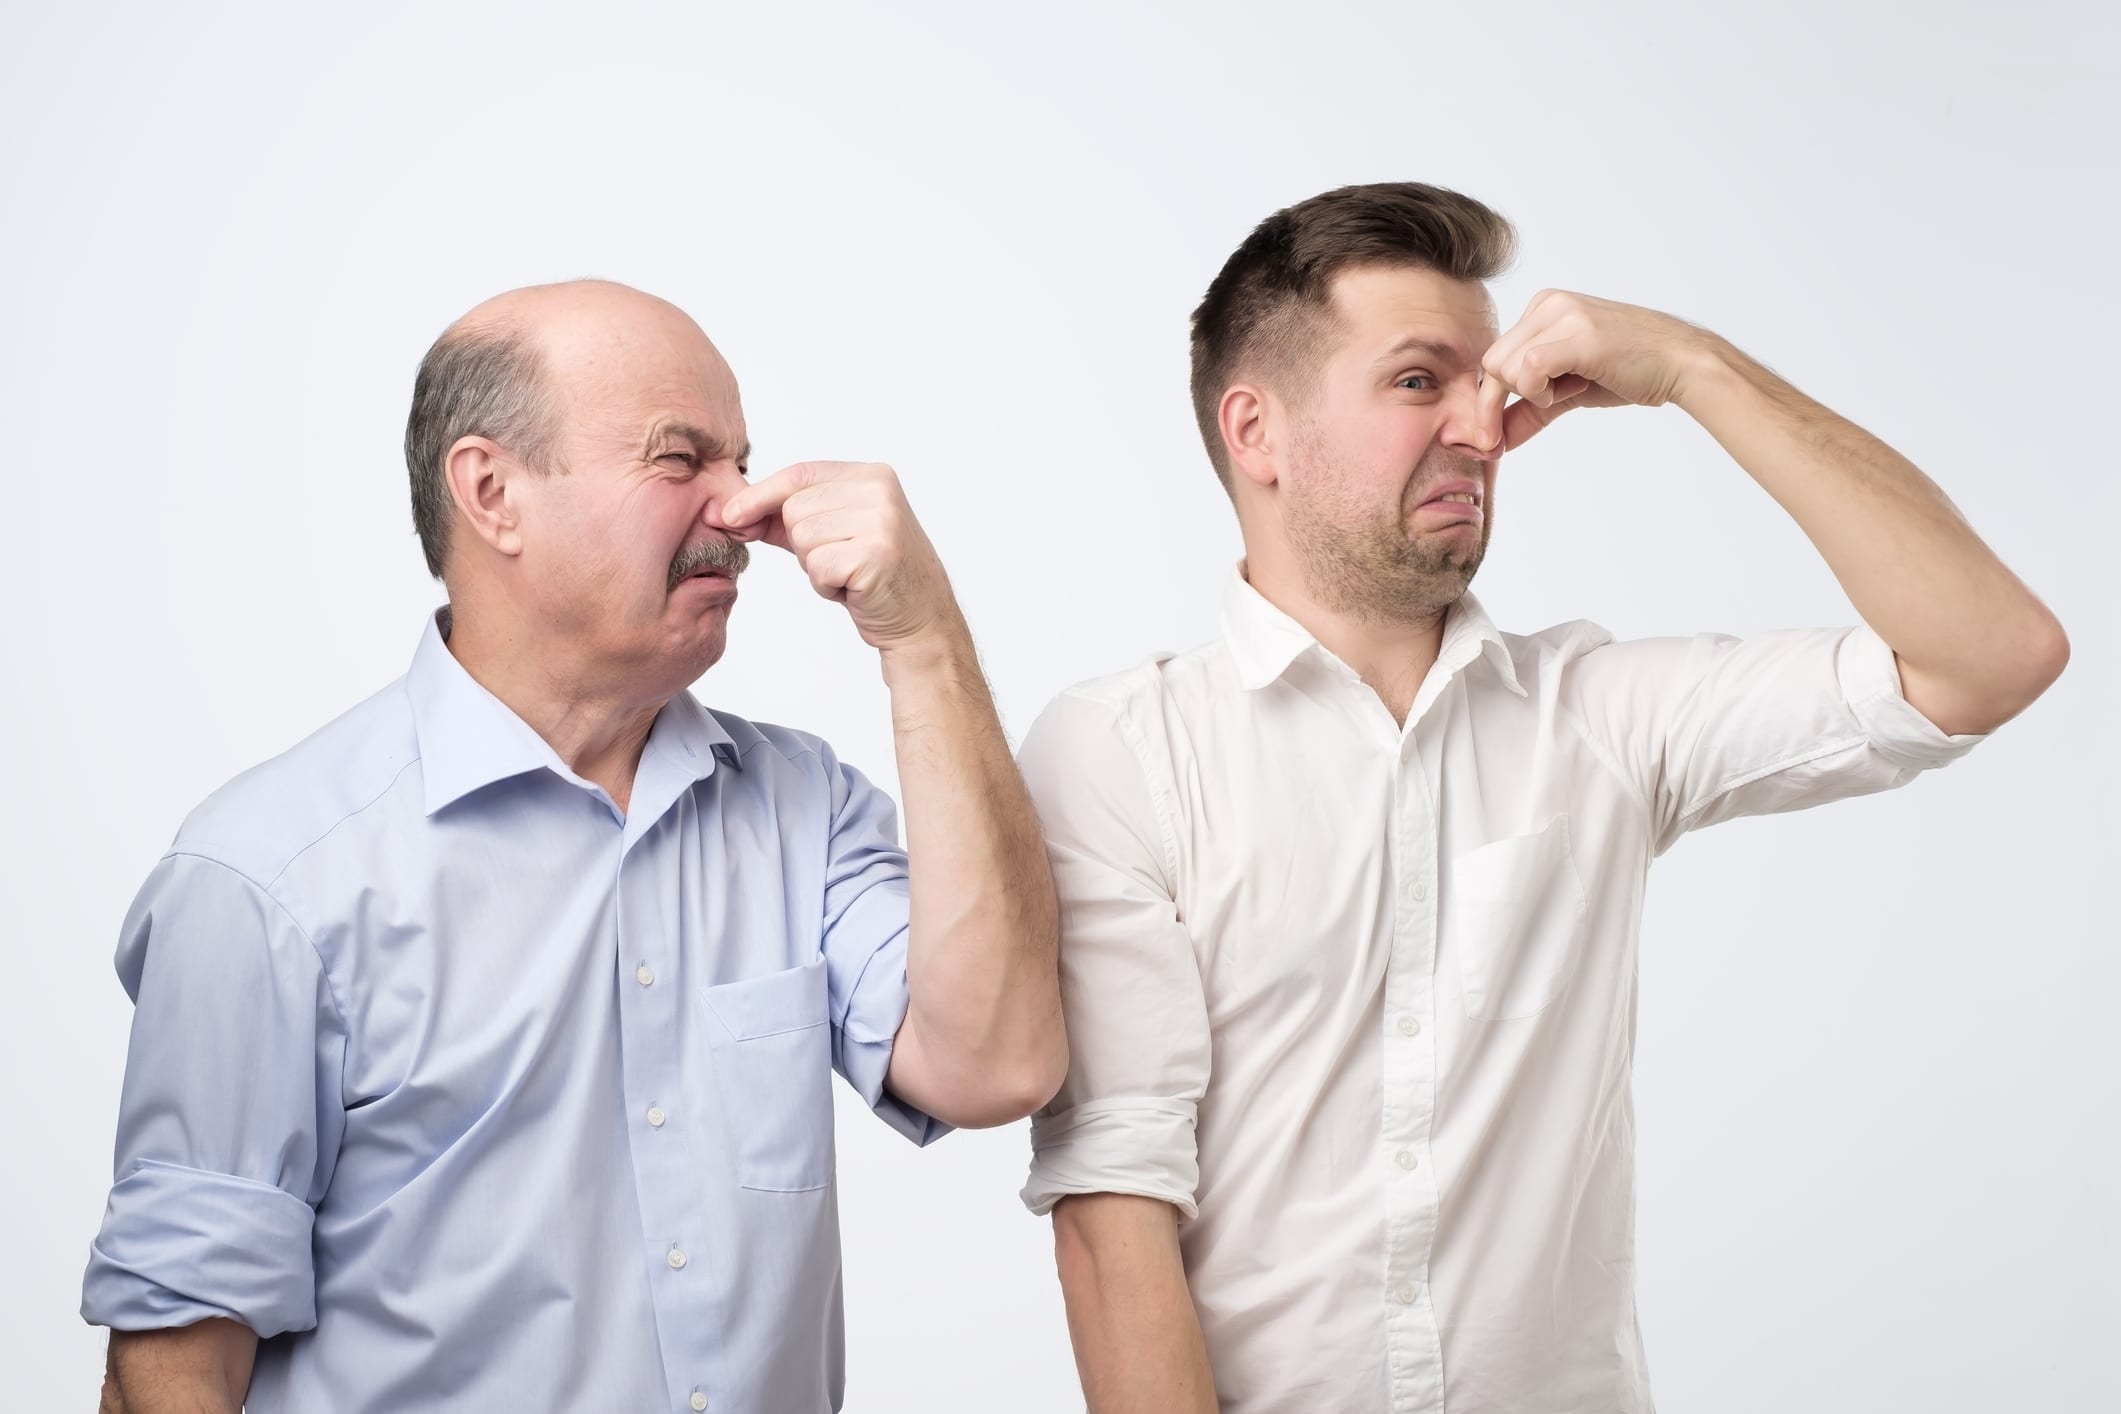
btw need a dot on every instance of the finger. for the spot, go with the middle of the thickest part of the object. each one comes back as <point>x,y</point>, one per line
<point>807,533</point>
<point>835,569</point>
<point>1497,378</point>
<point>1548,369</point>
<point>1524,420</point>
<point>827,497</point>
<point>1488,429</point>
<point>767,497</point>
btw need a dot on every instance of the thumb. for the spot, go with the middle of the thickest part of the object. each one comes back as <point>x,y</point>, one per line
<point>1522,421</point>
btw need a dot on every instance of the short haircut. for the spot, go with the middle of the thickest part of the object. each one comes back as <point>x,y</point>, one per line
<point>1266,313</point>
<point>477,381</point>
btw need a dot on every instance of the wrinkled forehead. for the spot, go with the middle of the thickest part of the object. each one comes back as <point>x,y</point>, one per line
<point>1382,310</point>
<point>622,381</point>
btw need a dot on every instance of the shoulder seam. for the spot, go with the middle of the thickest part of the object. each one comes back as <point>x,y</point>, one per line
<point>289,863</point>
<point>323,969</point>
<point>1159,799</point>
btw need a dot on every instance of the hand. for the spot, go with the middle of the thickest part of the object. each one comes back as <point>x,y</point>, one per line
<point>1573,351</point>
<point>849,527</point>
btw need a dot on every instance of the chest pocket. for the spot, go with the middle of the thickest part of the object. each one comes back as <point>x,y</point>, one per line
<point>1515,914</point>
<point>772,1055</point>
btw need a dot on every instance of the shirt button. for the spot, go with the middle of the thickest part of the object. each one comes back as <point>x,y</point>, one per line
<point>699,1402</point>
<point>1405,1158</point>
<point>655,1117</point>
<point>1420,892</point>
<point>645,975</point>
<point>676,1258</point>
<point>1408,1026</point>
<point>1404,1293</point>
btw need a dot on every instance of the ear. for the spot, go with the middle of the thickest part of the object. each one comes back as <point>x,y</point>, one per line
<point>1247,417</point>
<point>482,480</point>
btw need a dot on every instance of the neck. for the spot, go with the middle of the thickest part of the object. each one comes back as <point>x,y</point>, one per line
<point>597,732</point>
<point>1392,656</point>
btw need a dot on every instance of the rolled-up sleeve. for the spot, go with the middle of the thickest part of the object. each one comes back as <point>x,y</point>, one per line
<point>867,909</point>
<point>231,1112</point>
<point>1713,728</point>
<point>1137,1016</point>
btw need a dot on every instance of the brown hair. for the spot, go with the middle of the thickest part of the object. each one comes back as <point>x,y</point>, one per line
<point>1264,312</point>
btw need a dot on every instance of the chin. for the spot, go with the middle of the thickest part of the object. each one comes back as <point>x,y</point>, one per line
<point>685,655</point>
<point>697,662</point>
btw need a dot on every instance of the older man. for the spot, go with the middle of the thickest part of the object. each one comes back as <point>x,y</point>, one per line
<point>483,1041</point>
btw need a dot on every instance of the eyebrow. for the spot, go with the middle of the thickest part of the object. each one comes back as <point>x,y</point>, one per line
<point>706,445</point>
<point>1435,349</point>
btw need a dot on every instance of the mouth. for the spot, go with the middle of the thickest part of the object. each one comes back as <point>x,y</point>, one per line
<point>1454,502</point>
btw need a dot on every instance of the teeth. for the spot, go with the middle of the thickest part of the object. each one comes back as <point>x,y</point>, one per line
<point>1463,496</point>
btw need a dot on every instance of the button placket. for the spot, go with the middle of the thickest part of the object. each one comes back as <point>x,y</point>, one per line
<point>1413,1342</point>
<point>685,1293</point>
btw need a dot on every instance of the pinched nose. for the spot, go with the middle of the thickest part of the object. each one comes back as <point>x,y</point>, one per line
<point>713,517</point>
<point>1474,426</point>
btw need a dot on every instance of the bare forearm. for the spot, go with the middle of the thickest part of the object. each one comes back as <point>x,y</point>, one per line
<point>1975,645</point>
<point>197,1369</point>
<point>983,1038</point>
<point>1137,1338</point>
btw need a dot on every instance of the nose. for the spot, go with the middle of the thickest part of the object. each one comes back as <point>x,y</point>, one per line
<point>1470,427</point>
<point>723,481</point>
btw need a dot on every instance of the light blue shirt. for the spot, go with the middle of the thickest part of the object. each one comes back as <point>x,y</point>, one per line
<point>466,1090</point>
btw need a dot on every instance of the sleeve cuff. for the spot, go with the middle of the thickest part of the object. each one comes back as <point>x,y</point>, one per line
<point>1870,682</point>
<point>1143,1146</point>
<point>862,1040</point>
<point>180,1245</point>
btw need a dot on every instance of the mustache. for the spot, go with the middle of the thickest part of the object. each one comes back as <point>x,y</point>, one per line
<point>730,557</point>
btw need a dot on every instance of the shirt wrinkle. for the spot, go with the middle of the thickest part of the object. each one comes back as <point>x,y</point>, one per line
<point>1392,989</point>
<point>494,1075</point>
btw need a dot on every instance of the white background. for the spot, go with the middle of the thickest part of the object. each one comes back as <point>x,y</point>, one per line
<point>1877,1065</point>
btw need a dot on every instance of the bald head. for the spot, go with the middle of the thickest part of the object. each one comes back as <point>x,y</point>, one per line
<point>519,366</point>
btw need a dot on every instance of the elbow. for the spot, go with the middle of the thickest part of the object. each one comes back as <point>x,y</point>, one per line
<point>1981,697</point>
<point>1014,1087</point>
<point>2042,652</point>
<point>2047,656</point>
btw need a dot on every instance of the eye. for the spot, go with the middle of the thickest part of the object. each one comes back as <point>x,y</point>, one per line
<point>1428,384</point>
<point>685,459</point>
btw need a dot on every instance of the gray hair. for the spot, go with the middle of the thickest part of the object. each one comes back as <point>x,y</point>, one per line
<point>475,382</point>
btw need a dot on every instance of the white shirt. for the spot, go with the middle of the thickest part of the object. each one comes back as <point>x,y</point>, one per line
<point>1360,1000</point>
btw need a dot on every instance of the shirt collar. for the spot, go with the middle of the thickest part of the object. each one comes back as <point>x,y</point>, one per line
<point>1264,641</point>
<point>470,739</point>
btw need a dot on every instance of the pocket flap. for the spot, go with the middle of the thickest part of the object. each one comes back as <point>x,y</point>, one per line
<point>771,1004</point>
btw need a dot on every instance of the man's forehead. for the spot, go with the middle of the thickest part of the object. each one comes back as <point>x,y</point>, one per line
<point>1388,310</point>
<point>638,397</point>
